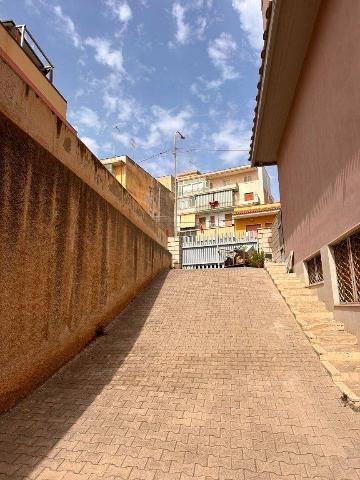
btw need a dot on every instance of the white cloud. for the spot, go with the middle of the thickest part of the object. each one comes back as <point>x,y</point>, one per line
<point>104,53</point>
<point>127,108</point>
<point>185,31</point>
<point>165,123</point>
<point>120,9</point>
<point>87,117</point>
<point>124,138</point>
<point>233,135</point>
<point>66,25</point>
<point>201,24</point>
<point>91,143</point>
<point>251,21</point>
<point>220,51</point>
<point>110,101</point>
<point>182,28</point>
<point>199,92</point>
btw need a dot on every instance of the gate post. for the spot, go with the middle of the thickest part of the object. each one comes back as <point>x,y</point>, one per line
<point>175,248</point>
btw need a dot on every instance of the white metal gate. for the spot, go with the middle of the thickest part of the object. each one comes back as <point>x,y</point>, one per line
<point>210,252</point>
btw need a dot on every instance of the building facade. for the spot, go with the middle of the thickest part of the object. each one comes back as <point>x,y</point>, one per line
<point>154,197</point>
<point>21,52</point>
<point>207,202</point>
<point>307,123</point>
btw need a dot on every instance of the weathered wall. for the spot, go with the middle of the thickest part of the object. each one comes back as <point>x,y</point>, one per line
<point>319,159</point>
<point>277,246</point>
<point>20,103</point>
<point>69,261</point>
<point>264,238</point>
<point>11,51</point>
<point>154,197</point>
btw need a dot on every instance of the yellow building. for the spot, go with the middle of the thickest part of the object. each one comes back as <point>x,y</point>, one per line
<point>249,218</point>
<point>155,198</point>
<point>207,202</point>
<point>22,53</point>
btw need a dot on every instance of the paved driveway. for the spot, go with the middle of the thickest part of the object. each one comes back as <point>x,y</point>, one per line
<point>205,375</point>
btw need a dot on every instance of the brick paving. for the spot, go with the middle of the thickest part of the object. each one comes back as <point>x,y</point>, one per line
<point>205,375</point>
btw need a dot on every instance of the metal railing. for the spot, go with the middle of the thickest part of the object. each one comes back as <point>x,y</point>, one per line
<point>315,271</point>
<point>210,252</point>
<point>32,49</point>
<point>347,262</point>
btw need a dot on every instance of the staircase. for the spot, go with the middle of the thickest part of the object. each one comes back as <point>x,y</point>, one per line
<point>338,350</point>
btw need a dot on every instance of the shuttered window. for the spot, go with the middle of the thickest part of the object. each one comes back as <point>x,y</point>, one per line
<point>249,196</point>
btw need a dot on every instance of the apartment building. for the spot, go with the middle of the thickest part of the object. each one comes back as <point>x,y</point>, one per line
<point>206,201</point>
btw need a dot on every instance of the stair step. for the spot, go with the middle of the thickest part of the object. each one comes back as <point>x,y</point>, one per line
<point>289,282</point>
<point>297,292</point>
<point>314,316</point>
<point>283,275</point>
<point>302,298</point>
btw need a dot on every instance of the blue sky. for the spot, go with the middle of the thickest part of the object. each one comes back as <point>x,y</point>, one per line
<point>135,71</point>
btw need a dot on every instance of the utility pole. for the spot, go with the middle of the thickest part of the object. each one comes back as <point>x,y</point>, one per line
<point>180,135</point>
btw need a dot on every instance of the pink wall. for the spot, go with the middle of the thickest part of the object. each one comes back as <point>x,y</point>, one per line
<point>319,158</point>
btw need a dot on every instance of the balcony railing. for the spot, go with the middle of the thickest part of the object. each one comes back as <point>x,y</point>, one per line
<point>27,42</point>
<point>217,208</point>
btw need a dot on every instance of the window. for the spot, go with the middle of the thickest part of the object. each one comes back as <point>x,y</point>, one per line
<point>247,179</point>
<point>315,271</point>
<point>202,221</point>
<point>253,229</point>
<point>347,262</point>
<point>249,196</point>
<point>212,220</point>
<point>268,225</point>
<point>184,203</point>
<point>228,219</point>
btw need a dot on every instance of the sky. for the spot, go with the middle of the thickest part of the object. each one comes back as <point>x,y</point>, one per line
<point>135,71</point>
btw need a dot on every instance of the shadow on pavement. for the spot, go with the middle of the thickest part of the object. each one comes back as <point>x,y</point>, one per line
<point>30,431</point>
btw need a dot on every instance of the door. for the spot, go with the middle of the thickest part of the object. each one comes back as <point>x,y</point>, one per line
<point>253,228</point>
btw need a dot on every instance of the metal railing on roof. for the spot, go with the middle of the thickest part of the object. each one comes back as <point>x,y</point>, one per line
<point>27,42</point>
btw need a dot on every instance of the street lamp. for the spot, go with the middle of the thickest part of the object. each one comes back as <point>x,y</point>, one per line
<point>176,135</point>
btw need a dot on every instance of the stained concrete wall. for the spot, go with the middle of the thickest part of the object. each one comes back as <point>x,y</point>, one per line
<point>70,259</point>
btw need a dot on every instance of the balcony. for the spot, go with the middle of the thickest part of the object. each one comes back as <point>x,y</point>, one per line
<point>218,207</point>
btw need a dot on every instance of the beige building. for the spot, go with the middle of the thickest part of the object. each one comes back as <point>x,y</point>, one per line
<point>21,52</point>
<point>206,201</point>
<point>154,197</point>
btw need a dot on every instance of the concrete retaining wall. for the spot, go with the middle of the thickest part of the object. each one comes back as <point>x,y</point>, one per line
<point>69,258</point>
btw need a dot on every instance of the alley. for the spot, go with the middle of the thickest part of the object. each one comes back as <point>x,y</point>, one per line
<point>205,375</point>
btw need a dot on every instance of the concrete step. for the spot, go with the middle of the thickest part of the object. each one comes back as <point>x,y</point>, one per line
<point>297,292</point>
<point>314,316</point>
<point>290,281</point>
<point>282,275</point>
<point>325,328</point>
<point>295,298</point>
<point>305,309</point>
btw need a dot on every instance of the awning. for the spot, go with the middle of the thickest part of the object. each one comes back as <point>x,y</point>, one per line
<point>187,221</point>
